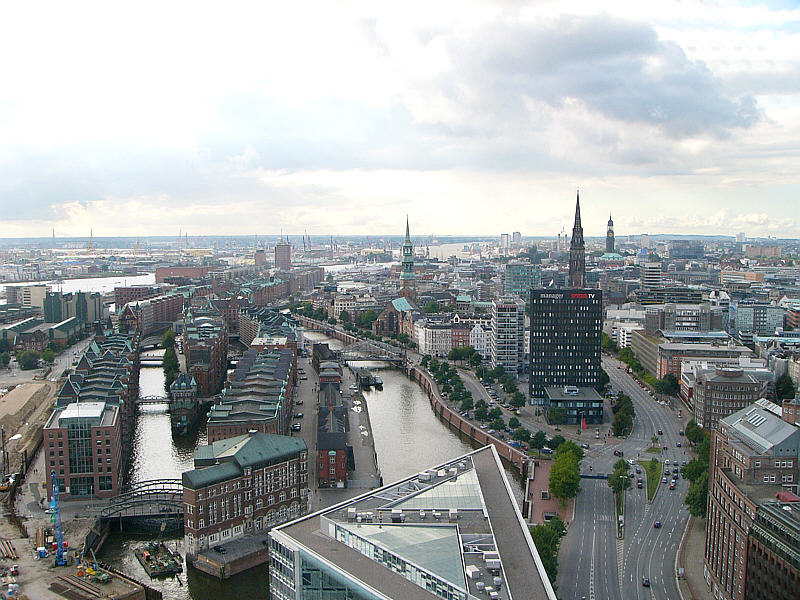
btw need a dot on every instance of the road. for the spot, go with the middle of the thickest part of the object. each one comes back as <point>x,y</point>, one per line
<point>592,562</point>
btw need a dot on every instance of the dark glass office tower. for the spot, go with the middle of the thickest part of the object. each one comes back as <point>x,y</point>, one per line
<point>565,339</point>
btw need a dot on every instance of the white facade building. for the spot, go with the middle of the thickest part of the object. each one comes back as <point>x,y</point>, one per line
<point>508,334</point>
<point>479,338</point>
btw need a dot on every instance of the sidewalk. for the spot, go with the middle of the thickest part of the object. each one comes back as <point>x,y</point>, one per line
<point>693,585</point>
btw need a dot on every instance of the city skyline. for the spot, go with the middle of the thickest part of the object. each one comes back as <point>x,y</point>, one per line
<point>675,117</point>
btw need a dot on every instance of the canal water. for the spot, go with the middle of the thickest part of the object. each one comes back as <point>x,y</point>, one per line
<point>408,439</point>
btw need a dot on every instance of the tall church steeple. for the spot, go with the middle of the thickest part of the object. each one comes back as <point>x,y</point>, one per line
<point>407,267</point>
<point>610,235</point>
<point>577,254</point>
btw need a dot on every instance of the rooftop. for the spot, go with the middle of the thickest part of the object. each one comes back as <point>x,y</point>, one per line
<point>758,428</point>
<point>457,523</point>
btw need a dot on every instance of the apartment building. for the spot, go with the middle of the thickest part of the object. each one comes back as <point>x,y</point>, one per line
<point>508,334</point>
<point>720,391</point>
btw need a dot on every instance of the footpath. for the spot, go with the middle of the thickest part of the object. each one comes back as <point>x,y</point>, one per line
<point>693,585</point>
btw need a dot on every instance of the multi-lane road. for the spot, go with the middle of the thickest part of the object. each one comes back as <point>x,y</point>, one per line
<point>592,562</point>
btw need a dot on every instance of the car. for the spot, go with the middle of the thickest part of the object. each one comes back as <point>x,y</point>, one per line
<point>666,462</point>
<point>585,446</point>
<point>657,524</point>
<point>219,549</point>
<point>299,402</point>
<point>619,453</point>
<point>678,444</point>
<point>639,484</point>
<point>666,447</point>
<point>639,480</point>
<point>664,480</point>
<point>484,426</point>
<point>681,432</point>
<point>298,415</point>
<point>660,432</point>
<point>546,450</point>
<point>645,582</point>
<point>675,471</point>
<point>296,427</point>
<point>638,471</point>
<point>14,571</point>
<point>672,485</point>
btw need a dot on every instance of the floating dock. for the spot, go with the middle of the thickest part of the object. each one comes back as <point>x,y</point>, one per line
<point>159,561</point>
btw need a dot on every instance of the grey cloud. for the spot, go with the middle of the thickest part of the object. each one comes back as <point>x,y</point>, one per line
<point>617,68</point>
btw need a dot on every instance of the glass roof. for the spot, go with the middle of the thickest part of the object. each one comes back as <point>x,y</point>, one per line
<point>435,548</point>
<point>462,492</point>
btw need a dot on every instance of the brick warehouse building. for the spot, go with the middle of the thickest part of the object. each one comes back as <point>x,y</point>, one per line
<point>243,485</point>
<point>754,456</point>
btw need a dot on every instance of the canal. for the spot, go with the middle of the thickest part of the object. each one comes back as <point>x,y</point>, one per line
<point>408,439</point>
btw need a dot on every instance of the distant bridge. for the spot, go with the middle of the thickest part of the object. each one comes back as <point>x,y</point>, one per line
<point>154,499</point>
<point>151,361</point>
<point>365,350</point>
<point>152,400</point>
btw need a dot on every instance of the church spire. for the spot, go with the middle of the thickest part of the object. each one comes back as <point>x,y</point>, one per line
<point>408,236</point>
<point>577,256</point>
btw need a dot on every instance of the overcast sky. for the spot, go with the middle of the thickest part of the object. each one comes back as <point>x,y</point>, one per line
<point>472,117</point>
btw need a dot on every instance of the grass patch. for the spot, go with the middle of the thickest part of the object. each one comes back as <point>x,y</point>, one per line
<point>653,470</point>
<point>654,450</point>
<point>619,504</point>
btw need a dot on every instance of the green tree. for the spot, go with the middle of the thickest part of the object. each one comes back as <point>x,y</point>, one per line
<point>697,496</point>
<point>425,360</point>
<point>521,434</point>
<point>513,422</point>
<point>556,414</point>
<point>168,340</point>
<point>570,447</point>
<point>626,355</point>
<point>604,379</point>
<point>5,358</point>
<point>498,424</point>
<point>518,400</point>
<point>607,343</point>
<point>784,387</point>
<point>565,477</point>
<point>467,404</point>
<point>495,413</point>
<point>475,360</point>
<point>344,316</point>
<point>539,440</point>
<point>28,359</point>
<point>170,366</point>
<point>431,307</point>
<point>481,414</point>
<point>670,385</point>
<point>619,481</point>
<point>48,356</point>
<point>556,441</point>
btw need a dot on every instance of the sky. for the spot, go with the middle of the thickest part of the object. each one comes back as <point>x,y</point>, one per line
<point>474,118</point>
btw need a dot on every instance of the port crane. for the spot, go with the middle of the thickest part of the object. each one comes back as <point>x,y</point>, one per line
<point>58,528</point>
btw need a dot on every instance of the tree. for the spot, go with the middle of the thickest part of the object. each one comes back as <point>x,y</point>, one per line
<point>556,414</point>
<point>670,385</point>
<point>498,424</point>
<point>607,343</point>
<point>495,413</point>
<point>619,481</point>
<point>784,387</point>
<point>481,414</point>
<point>513,422</point>
<point>626,356</point>
<point>538,440</point>
<point>475,359</point>
<point>697,496</point>
<point>604,379</point>
<point>556,441</point>
<point>565,477</point>
<point>518,400</point>
<point>48,356</point>
<point>28,359</point>
<point>521,434</point>
<point>431,307</point>
<point>425,360</point>
<point>5,358</point>
<point>168,340</point>
<point>170,366</point>
<point>467,404</point>
<point>344,316</point>
<point>570,447</point>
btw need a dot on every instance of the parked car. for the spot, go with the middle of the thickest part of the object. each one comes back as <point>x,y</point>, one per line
<point>296,427</point>
<point>681,432</point>
<point>678,444</point>
<point>657,524</point>
<point>664,480</point>
<point>585,446</point>
<point>299,402</point>
<point>298,415</point>
<point>546,450</point>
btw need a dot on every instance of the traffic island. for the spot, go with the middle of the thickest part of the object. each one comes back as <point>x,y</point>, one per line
<point>652,469</point>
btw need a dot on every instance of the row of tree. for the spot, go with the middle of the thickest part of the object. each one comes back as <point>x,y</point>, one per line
<point>547,538</point>
<point>669,384</point>
<point>619,480</point>
<point>624,414</point>
<point>697,469</point>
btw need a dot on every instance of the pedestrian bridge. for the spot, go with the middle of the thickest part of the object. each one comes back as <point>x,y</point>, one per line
<point>152,400</point>
<point>154,499</point>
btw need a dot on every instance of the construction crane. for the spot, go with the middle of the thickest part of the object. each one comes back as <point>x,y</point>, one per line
<point>61,554</point>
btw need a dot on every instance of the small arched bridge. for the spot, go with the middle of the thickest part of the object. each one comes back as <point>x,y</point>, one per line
<point>152,400</point>
<point>156,498</point>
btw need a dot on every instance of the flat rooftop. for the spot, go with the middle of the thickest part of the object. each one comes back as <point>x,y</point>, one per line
<point>458,522</point>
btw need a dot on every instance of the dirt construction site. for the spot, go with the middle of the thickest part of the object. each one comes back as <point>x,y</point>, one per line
<point>26,572</point>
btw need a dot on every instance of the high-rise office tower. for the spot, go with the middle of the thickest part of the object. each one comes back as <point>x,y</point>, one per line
<point>566,330</point>
<point>283,256</point>
<point>610,236</point>
<point>577,256</point>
